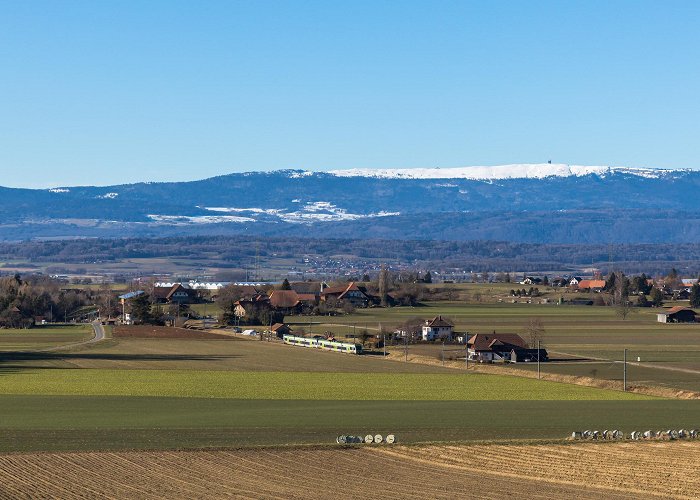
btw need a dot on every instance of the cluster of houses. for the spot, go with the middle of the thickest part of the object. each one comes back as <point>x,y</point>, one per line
<point>482,348</point>
<point>485,348</point>
<point>594,284</point>
<point>681,290</point>
<point>303,297</point>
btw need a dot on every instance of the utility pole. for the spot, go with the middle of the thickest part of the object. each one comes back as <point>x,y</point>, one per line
<point>384,343</point>
<point>624,371</point>
<point>405,346</point>
<point>443,353</point>
<point>538,359</point>
<point>466,352</point>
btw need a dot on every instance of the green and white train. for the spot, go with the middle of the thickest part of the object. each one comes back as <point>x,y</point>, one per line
<point>328,345</point>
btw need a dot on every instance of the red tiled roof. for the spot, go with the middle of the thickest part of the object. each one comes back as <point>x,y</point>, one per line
<point>306,297</point>
<point>591,284</point>
<point>677,309</point>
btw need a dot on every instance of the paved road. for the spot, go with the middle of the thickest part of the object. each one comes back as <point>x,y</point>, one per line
<point>100,335</point>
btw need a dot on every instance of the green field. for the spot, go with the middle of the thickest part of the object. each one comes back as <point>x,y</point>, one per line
<point>85,423</point>
<point>43,337</point>
<point>296,386</point>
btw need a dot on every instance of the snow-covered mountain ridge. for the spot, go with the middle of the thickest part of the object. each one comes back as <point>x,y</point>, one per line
<point>514,171</point>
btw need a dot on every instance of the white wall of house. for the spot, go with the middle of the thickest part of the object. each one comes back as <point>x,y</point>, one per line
<point>434,333</point>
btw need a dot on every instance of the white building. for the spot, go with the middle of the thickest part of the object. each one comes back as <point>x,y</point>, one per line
<point>437,328</point>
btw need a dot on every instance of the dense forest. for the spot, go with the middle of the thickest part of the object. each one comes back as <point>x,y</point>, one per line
<point>481,256</point>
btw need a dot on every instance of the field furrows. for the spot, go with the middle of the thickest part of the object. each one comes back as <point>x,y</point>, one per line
<point>491,472</point>
<point>660,469</point>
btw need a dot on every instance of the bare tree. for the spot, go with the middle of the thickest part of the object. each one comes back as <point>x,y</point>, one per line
<point>534,330</point>
<point>624,309</point>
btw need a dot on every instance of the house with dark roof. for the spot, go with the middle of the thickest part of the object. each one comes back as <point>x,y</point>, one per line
<point>574,281</point>
<point>502,347</point>
<point>314,288</point>
<point>351,294</point>
<point>291,302</point>
<point>437,329</point>
<point>678,314</point>
<point>280,330</point>
<point>245,307</point>
<point>177,294</point>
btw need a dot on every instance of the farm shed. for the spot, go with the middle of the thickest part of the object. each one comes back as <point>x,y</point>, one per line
<point>520,355</point>
<point>280,330</point>
<point>678,314</point>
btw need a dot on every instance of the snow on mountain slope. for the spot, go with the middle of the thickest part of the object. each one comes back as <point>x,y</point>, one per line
<point>515,171</point>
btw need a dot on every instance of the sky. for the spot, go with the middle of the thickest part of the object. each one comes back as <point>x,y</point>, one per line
<point>111,92</point>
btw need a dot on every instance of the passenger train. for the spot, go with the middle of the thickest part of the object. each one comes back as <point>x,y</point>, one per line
<point>328,345</point>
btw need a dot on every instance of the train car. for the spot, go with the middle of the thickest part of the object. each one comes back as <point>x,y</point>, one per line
<point>328,345</point>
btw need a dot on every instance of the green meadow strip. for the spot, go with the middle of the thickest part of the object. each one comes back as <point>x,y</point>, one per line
<point>295,385</point>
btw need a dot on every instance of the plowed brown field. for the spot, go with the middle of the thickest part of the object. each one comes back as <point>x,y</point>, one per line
<point>622,470</point>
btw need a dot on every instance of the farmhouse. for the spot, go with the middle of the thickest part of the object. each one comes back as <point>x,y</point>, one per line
<point>314,288</point>
<point>437,328</point>
<point>678,314</point>
<point>487,348</point>
<point>176,293</point>
<point>350,294</point>
<point>592,285</point>
<point>291,302</point>
<point>574,281</point>
<point>246,307</point>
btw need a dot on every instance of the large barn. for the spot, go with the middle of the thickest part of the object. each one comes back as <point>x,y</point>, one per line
<point>678,314</point>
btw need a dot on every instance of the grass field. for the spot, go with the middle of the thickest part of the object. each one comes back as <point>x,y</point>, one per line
<point>35,423</point>
<point>43,337</point>
<point>297,385</point>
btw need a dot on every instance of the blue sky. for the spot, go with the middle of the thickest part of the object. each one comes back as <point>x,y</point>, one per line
<point>99,92</point>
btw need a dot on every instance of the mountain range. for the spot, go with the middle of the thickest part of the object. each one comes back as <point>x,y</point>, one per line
<point>527,202</point>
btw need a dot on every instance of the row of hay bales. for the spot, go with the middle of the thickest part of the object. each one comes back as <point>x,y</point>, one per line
<point>606,435</point>
<point>368,439</point>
